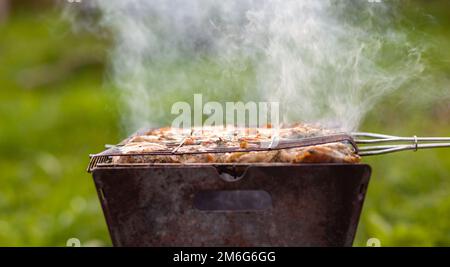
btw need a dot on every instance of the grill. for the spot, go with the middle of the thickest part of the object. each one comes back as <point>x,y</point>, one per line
<point>237,204</point>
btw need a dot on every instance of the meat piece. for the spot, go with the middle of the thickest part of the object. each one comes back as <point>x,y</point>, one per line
<point>202,139</point>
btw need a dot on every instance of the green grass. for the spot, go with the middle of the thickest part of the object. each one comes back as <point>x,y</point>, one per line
<point>408,203</point>
<point>55,109</point>
<point>47,130</point>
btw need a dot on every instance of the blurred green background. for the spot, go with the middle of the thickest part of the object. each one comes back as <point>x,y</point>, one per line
<point>57,107</point>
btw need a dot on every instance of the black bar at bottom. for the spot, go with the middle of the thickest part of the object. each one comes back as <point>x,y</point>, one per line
<point>223,256</point>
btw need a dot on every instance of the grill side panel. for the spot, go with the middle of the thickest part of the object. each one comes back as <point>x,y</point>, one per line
<point>304,205</point>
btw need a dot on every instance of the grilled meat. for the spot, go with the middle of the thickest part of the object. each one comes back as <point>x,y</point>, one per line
<point>203,139</point>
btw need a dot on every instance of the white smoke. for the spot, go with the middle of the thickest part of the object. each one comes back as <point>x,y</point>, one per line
<point>329,61</point>
<point>325,61</point>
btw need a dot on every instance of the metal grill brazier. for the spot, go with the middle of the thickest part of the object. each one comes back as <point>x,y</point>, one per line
<point>226,204</point>
<point>232,205</point>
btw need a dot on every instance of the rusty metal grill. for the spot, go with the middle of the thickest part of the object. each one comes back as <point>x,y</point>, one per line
<point>240,204</point>
<point>225,204</point>
<point>253,205</point>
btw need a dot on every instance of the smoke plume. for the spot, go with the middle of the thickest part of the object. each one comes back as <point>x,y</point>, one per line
<point>325,61</point>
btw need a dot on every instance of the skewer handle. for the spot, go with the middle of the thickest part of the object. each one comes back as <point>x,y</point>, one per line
<point>416,143</point>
